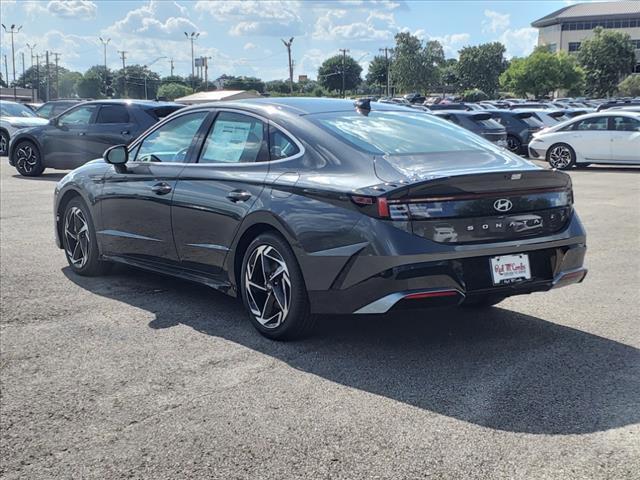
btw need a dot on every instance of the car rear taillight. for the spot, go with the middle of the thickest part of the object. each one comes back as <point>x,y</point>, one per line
<point>375,206</point>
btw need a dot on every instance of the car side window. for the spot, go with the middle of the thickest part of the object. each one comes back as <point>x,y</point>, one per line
<point>235,138</point>
<point>625,124</point>
<point>45,111</point>
<point>113,114</point>
<point>597,123</point>
<point>171,141</point>
<point>77,116</point>
<point>281,146</point>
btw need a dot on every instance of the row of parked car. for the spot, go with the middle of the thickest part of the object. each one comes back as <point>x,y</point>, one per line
<point>64,134</point>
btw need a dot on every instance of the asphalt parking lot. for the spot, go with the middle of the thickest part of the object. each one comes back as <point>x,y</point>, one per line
<point>138,376</point>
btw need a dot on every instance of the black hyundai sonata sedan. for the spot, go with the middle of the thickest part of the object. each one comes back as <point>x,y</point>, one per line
<point>320,206</point>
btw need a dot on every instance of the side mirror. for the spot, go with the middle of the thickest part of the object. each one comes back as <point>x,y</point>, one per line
<point>117,155</point>
<point>53,121</point>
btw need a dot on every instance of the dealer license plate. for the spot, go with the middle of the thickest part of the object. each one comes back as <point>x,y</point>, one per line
<point>510,268</point>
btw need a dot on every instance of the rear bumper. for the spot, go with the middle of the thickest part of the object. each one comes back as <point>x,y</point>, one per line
<point>449,282</point>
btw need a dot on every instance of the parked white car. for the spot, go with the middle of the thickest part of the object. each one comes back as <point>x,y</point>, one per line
<point>612,136</point>
<point>13,117</point>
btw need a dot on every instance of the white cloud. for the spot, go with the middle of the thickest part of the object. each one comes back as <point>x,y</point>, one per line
<point>81,9</point>
<point>495,22</point>
<point>452,43</point>
<point>155,19</point>
<point>254,17</point>
<point>347,25</point>
<point>250,46</point>
<point>519,42</point>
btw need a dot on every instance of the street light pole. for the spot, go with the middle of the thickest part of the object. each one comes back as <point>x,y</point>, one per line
<point>288,45</point>
<point>146,97</point>
<point>193,36</point>
<point>32,48</point>
<point>12,30</point>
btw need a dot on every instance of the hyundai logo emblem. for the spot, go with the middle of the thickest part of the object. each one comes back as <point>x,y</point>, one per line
<point>503,205</point>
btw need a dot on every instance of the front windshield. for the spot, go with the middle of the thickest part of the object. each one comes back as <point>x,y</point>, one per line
<point>399,133</point>
<point>10,109</point>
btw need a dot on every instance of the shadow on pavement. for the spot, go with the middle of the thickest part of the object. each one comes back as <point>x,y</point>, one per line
<point>495,368</point>
<point>46,177</point>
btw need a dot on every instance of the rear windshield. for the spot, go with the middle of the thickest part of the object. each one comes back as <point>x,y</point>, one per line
<point>398,133</point>
<point>164,111</point>
<point>530,120</point>
<point>489,124</point>
<point>8,109</point>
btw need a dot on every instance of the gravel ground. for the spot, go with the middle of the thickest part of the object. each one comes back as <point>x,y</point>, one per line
<point>139,376</point>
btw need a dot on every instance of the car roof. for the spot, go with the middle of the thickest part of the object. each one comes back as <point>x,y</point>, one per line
<point>297,105</point>
<point>127,101</point>
<point>609,113</point>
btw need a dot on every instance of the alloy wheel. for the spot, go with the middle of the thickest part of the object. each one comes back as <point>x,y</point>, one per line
<point>26,159</point>
<point>560,157</point>
<point>76,233</point>
<point>268,286</point>
<point>512,144</point>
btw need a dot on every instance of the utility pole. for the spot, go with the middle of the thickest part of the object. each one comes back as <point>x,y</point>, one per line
<point>6,69</point>
<point>104,53</point>
<point>206,73</point>
<point>48,76</point>
<point>31,48</point>
<point>288,45</point>
<point>57,84</point>
<point>123,55</point>
<point>12,30</point>
<point>386,57</point>
<point>193,36</point>
<point>23,79</point>
<point>171,62</point>
<point>344,73</point>
<point>37,76</point>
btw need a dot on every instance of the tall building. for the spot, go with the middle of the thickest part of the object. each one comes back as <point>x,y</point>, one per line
<point>565,29</point>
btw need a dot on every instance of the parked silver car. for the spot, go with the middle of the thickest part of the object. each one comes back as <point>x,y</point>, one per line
<point>13,117</point>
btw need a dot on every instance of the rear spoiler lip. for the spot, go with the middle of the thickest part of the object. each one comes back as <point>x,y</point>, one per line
<point>473,196</point>
<point>400,189</point>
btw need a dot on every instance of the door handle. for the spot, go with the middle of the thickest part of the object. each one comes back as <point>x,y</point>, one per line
<point>161,188</point>
<point>124,132</point>
<point>82,134</point>
<point>238,196</point>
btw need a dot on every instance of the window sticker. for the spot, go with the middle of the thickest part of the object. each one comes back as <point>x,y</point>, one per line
<point>227,141</point>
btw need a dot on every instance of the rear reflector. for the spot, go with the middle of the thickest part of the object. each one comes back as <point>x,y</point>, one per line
<point>441,293</point>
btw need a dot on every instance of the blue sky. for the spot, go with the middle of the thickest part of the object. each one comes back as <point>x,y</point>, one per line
<point>243,37</point>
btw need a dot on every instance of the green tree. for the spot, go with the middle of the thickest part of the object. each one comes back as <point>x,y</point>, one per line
<point>67,84</point>
<point>173,79</point>
<point>474,95</point>
<point>30,78</point>
<point>90,85</point>
<point>480,67</point>
<point>171,91</point>
<point>606,58</point>
<point>542,72</point>
<point>277,86</point>
<point>415,66</point>
<point>377,72</point>
<point>136,76</point>
<point>2,82</point>
<point>449,78</point>
<point>630,86</point>
<point>244,83</point>
<point>332,70</point>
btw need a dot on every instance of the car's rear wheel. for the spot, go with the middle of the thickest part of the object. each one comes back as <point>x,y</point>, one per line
<point>79,240</point>
<point>273,289</point>
<point>561,156</point>
<point>4,143</point>
<point>27,160</point>
<point>514,144</point>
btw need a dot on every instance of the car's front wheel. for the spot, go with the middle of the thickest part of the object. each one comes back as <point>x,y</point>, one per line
<point>79,240</point>
<point>27,159</point>
<point>561,156</point>
<point>4,143</point>
<point>273,289</point>
<point>514,144</point>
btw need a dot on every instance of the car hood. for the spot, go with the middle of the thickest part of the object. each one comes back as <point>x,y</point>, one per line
<point>429,166</point>
<point>25,121</point>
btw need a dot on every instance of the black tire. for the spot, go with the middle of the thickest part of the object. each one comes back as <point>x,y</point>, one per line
<point>514,144</point>
<point>270,250</point>
<point>27,159</point>
<point>4,143</point>
<point>482,301</point>
<point>85,242</point>
<point>561,156</point>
